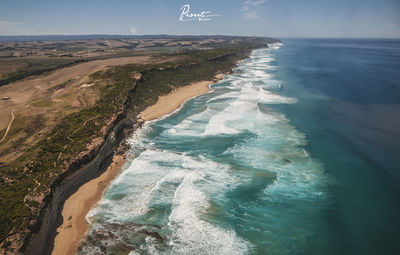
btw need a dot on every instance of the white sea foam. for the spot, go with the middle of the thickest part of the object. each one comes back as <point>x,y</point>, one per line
<point>243,104</point>
<point>268,97</point>
<point>192,125</point>
<point>254,73</point>
<point>275,46</point>
<point>191,233</point>
<point>138,194</point>
<point>218,124</point>
<point>229,95</point>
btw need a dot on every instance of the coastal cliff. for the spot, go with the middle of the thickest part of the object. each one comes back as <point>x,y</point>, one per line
<point>93,154</point>
<point>98,161</point>
<point>87,166</point>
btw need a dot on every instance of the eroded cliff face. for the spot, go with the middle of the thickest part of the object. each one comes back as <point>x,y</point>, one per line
<point>86,166</point>
<point>91,165</point>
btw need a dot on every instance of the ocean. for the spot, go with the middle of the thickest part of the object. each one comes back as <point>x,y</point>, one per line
<point>296,152</point>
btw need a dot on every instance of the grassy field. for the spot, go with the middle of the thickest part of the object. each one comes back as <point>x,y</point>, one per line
<point>25,67</point>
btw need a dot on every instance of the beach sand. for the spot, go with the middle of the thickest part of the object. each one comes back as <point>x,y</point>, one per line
<point>74,227</point>
<point>77,206</point>
<point>169,103</point>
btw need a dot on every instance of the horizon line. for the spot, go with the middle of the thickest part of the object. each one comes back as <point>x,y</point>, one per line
<point>162,34</point>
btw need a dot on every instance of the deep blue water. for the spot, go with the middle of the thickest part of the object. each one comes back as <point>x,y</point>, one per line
<point>294,153</point>
<point>349,107</point>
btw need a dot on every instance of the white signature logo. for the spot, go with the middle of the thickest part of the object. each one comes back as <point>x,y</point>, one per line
<point>186,15</point>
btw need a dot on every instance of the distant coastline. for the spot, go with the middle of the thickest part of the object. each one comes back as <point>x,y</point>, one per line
<point>27,38</point>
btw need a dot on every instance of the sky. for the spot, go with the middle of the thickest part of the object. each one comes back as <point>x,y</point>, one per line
<point>275,18</point>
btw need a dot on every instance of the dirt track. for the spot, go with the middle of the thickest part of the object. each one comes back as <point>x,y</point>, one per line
<point>8,127</point>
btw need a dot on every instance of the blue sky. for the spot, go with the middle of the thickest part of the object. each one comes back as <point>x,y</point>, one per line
<point>277,18</point>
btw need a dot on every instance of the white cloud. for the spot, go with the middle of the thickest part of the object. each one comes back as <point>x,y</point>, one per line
<point>251,15</point>
<point>258,2</point>
<point>132,29</point>
<point>4,23</point>
<point>11,28</point>
<point>248,8</point>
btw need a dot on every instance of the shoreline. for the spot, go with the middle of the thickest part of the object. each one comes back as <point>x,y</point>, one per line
<point>171,102</point>
<point>77,206</point>
<point>74,228</point>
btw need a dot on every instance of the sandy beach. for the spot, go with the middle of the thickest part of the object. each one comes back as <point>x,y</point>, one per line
<point>74,227</point>
<point>169,103</point>
<point>76,207</point>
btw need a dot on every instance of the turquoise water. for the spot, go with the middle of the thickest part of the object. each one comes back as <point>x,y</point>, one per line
<point>246,169</point>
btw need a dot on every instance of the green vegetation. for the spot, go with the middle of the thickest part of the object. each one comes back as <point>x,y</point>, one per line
<point>45,102</point>
<point>34,172</point>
